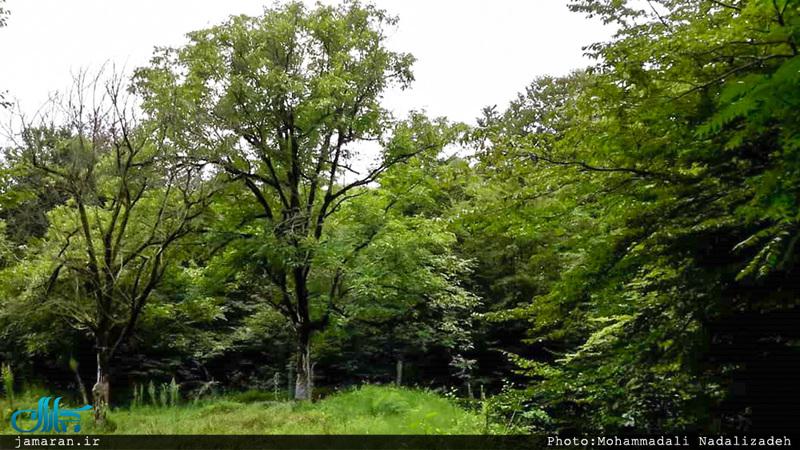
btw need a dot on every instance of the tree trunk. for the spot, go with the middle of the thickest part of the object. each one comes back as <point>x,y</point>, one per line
<point>399,379</point>
<point>81,386</point>
<point>290,380</point>
<point>101,392</point>
<point>305,372</point>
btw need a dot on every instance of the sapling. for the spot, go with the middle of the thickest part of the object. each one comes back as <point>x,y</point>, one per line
<point>8,383</point>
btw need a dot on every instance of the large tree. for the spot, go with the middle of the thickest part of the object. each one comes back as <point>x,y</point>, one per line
<point>107,245</point>
<point>278,103</point>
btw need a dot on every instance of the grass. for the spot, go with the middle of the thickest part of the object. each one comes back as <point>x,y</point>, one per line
<point>365,410</point>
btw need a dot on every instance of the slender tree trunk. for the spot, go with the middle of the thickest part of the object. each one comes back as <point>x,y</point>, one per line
<point>290,379</point>
<point>399,379</point>
<point>101,392</point>
<point>81,386</point>
<point>305,372</point>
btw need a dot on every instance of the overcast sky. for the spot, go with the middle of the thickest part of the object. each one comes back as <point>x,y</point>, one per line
<point>470,54</point>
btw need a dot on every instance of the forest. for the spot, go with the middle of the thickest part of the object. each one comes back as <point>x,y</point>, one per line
<point>615,251</point>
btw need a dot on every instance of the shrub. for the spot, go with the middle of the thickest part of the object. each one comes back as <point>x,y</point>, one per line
<point>174,392</point>
<point>151,389</point>
<point>163,395</point>
<point>8,382</point>
<point>137,399</point>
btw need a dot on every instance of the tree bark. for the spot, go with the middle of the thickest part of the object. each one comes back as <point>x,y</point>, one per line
<point>305,372</point>
<point>101,392</point>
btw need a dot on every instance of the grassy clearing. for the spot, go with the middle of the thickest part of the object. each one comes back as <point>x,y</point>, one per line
<point>366,410</point>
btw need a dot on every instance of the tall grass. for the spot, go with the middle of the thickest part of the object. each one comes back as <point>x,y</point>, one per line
<point>365,410</point>
<point>163,395</point>
<point>137,395</point>
<point>174,392</point>
<point>151,390</point>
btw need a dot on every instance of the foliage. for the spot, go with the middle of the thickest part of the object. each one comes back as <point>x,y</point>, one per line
<point>275,103</point>
<point>616,253</point>
<point>108,244</point>
<point>658,190</point>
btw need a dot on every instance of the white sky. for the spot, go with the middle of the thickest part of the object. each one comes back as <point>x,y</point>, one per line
<point>470,54</point>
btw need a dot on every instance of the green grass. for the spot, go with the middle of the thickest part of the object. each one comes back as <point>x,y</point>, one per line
<point>366,410</point>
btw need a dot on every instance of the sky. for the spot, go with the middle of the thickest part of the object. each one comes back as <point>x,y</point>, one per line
<point>470,53</point>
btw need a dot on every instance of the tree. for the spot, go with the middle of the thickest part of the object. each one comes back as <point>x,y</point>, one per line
<point>106,247</point>
<point>393,278</point>
<point>669,180</point>
<point>277,103</point>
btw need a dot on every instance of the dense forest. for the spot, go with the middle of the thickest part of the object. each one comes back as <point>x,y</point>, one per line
<point>613,251</point>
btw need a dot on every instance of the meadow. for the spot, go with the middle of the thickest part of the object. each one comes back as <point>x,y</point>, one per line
<point>363,410</point>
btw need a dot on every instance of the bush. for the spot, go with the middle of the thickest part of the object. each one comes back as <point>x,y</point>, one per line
<point>174,393</point>
<point>256,395</point>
